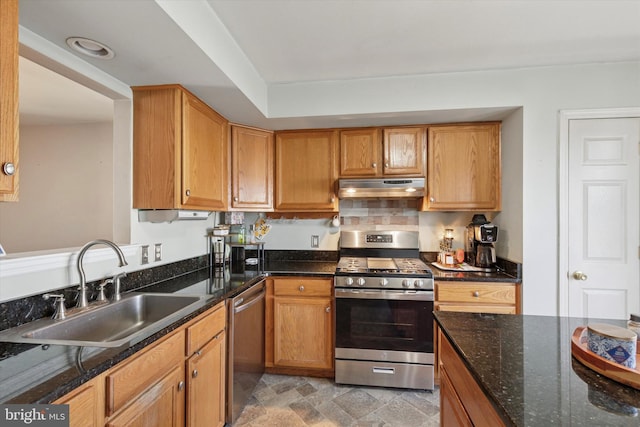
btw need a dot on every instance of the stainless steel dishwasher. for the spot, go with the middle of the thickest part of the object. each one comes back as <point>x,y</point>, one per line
<point>245,363</point>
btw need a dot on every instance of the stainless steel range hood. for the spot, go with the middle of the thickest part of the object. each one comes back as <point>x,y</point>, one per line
<point>381,188</point>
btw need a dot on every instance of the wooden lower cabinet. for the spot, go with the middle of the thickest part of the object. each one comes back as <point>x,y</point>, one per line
<point>160,405</point>
<point>206,376</point>
<point>299,325</point>
<point>462,402</point>
<point>86,404</point>
<point>451,409</point>
<point>178,381</point>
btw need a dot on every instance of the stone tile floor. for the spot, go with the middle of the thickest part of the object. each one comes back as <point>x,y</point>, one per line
<point>283,401</point>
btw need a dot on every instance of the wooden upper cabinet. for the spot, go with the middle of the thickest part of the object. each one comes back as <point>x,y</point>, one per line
<point>463,171</point>
<point>404,151</point>
<point>251,169</point>
<point>374,152</point>
<point>9,100</point>
<point>360,152</point>
<point>180,151</point>
<point>306,171</point>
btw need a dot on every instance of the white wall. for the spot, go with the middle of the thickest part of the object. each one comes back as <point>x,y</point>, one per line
<point>66,188</point>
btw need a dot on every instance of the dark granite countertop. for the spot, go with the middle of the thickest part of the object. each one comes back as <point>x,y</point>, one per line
<point>525,367</point>
<point>43,373</point>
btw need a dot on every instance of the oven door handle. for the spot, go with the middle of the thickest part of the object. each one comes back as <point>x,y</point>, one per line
<point>384,294</point>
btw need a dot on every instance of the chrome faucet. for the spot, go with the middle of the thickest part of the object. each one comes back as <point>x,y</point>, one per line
<point>82,294</point>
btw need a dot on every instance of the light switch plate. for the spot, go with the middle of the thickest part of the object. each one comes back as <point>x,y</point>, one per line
<point>145,254</point>
<point>158,252</point>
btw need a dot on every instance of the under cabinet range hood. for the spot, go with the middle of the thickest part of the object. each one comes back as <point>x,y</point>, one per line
<point>170,215</point>
<point>381,188</point>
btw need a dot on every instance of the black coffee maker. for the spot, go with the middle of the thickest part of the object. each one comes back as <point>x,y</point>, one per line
<point>479,242</point>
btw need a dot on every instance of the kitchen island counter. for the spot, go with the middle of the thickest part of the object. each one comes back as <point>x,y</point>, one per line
<point>523,365</point>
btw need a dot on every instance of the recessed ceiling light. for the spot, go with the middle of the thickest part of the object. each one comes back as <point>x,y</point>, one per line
<point>90,47</point>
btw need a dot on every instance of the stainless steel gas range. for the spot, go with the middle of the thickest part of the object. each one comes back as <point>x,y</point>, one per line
<point>384,311</point>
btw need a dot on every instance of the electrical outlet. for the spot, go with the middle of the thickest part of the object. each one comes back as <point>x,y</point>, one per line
<point>158,252</point>
<point>145,254</point>
<point>315,241</point>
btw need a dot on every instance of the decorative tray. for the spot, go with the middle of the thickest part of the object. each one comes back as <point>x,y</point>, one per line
<point>459,267</point>
<point>612,370</point>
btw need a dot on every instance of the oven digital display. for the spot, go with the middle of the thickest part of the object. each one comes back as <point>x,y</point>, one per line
<point>379,238</point>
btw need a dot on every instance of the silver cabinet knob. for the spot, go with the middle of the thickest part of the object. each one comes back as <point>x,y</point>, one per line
<point>235,199</point>
<point>432,199</point>
<point>188,193</point>
<point>476,294</point>
<point>180,385</point>
<point>327,309</point>
<point>374,165</point>
<point>194,373</point>
<point>9,168</point>
<point>579,275</point>
<point>301,288</point>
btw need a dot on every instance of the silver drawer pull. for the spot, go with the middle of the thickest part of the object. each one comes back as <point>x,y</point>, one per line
<point>390,371</point>
<point>476,294</point>
<point>301,288</point>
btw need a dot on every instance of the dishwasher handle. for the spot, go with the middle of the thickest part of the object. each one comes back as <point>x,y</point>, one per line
<point>242,305</point>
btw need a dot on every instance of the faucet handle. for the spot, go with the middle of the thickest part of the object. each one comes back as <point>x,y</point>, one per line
<point>101,295</point>
<point>60,310</point>
<point>116,285</point>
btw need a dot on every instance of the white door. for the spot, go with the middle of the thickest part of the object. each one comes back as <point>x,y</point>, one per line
<point>603,218</point>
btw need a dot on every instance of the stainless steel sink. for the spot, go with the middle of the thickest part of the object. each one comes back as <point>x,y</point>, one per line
<point>109,325</point>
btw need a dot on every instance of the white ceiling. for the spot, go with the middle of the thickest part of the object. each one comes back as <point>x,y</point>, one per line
<point>230,52</point>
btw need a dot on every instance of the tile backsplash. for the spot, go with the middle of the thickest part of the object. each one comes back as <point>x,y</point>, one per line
<point>399,214</point>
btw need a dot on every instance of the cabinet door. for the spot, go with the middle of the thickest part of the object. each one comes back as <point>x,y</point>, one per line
<point>160,405</point>
<point>206,384</point>
<point>452,412</point>
<point>360,152</point>
<point>204,156</point>
<point>303,332</point>
<point>8,100</point>
<point>463,171</point>
<point>86,404</point>
<point>404,151</point>
<point>306,171</point>
<point>251,169</point>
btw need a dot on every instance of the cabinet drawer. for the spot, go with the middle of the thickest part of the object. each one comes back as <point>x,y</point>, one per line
<point>302,287</point>
<point>206,328</point>
<point>135,376</point>
<point>477,308</point>
<point>481,293</point>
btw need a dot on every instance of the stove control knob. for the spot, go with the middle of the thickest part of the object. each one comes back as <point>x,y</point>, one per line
<point>418,283</point>
<point>348,281</point>
<point>406,283</point>
<point>384,282</point>
<point>361,281</point>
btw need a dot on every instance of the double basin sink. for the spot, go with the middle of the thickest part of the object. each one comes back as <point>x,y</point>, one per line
<point>109,325</point>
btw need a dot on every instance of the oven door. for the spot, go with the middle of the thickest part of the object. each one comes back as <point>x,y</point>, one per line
<point>384,323</point>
